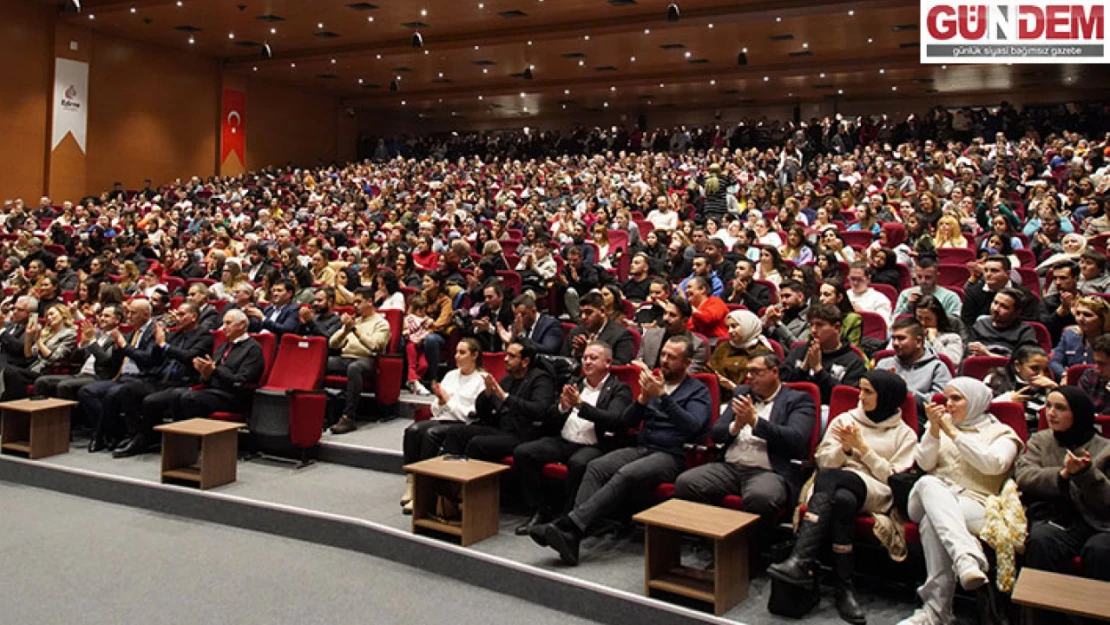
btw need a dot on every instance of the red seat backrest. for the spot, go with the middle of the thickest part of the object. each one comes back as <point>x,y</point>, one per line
<point>630,375</point>
<point>874,325</point>
<point>979,366</point>
<point>636,339</point>
<point>494,363</point>
<point>396,319</point>
<point>299,364</point>
<point>952,275</point>
<point>269,348</point>
<point>1013,415</point>
<point>1044,339</point>
<point>1071,376</point>
<point>815,394</point>
<point>955,255</point>
<point>890,292</point>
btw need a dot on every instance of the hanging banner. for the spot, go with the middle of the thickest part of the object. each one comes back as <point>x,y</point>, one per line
<point>234,134</point>
<point>71,101</point>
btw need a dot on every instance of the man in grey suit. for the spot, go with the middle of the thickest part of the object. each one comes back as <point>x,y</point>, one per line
<point>676,312</point>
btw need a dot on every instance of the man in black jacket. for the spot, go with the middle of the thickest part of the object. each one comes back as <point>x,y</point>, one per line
<point>1056,309</point>
<point>510,412</point>
<point>674,409</point>
<point>173,378</point>
<point>544,331</point>
<point>745,290</point>
<point>637,288</point>
<point>1003,331</point>
<point>11,336</point>
<point>320,319</point>
<point>825,360</point>
<point>596,326</point>
<point>979,294</point>
<point>588,417</point>
<point>577,278</point>
<point>766,431</point>
<point>493,312</point>
<point>228,380</point>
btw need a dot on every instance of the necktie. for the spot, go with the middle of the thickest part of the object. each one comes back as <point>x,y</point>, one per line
<point>128,366</point>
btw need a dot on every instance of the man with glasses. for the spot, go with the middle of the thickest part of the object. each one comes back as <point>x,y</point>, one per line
<point>11,337</point>
<point>595,326</point>
<point>766,431</point>
<point>863,296</point>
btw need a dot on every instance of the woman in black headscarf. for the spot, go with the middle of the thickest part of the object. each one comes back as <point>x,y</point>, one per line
<point>1063,479</point>
<point>861,449</point>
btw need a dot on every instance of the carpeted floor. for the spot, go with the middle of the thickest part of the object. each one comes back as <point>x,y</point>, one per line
<point>68,560</point>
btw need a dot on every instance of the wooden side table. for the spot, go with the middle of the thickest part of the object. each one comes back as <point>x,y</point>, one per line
<point>727,583</point>
<point>35,428</point>
<point>474,483</point>
<point>1070,594</point>
<point>200,451</point>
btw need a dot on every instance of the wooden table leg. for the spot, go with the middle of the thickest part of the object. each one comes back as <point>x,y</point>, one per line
<point>480,502</point>
<point>219,460</point>
<point>423,498</point>
<point>730,573</point>
<point>661,553</point>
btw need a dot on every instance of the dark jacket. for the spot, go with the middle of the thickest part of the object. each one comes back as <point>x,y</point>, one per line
<point>11,345</point>
<point>672,421</point>
<point>1085,497</point>
<point>1053,322</point>
<point>143,353</point>
<point>636,291</point>
<point>209,318</point>
<point>491,341</point>
<point>617,337</point>
<point>106,361</point>
<point>1002,341</point>
<point>755,298</point>
<point>841,366</point>
<point>321,325</point>
<point>788,432</point>
<point>547,334</point>
<point>281,320</point>
<point>606,415</point>
<point>977,302</point>
<point>178,353</point>
<point>523,411</point>
<point>239,367</point>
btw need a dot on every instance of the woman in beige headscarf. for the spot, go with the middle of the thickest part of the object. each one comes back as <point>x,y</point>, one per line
<point>745,341</point>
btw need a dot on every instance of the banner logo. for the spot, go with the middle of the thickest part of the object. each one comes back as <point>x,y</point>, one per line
<point>972,31</point>
<point>71,81</point>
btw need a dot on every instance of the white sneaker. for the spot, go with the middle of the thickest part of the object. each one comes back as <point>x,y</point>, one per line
<point>920,617</point>
<point>970,574</point>
<point>419,388</point>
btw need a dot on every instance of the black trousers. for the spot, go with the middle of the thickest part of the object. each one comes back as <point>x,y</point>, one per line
<point>203,402</point>
<point>529,458</point>
<point>359,371</point>
<point>163,404</point>
<point>116,404</point>
<point>765,493</point>
<point>482,442</point>
<point>1051,547</point>
<point>424,439</point>
<point>66,387</point>
<point>849,493</point>
<point>613,478</point>
<point>16,380</point>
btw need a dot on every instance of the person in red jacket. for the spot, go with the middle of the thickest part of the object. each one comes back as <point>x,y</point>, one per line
<point>709,311</point>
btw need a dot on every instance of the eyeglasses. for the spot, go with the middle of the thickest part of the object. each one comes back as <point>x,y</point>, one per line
<point>754,371</point>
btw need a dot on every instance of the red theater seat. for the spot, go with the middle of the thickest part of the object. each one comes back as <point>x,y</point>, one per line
<point>269,348</point>
<point>289,409</point>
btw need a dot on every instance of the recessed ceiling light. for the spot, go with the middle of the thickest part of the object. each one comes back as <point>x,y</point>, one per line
<point>711,25</point>
<point>441,100</point>
<point>370,19</point>
<point>402,102</point>
<point>606,105</point>
<point>532,67</point>
<point>180,3</point>
<point>822,74</point>
<point>423,12</point>
<point>805,46</point>
<point>481,5</point>
<point>745,50</point>
<point>255,68</point>
<point>427,52</point>
<point>479,97</point>
<point>581,63</point>
<point>840,91</point>
<point>529,42</point>
<point>632,59</point>
<point>231,35</point>
<point>586,37</point>
<point>766,78</point>
<point>441,74</point>
<point>612,88</point>
<point>661,85</point>
<point>522,94</point>
<point>564,106</point>
<point>851,13</point>
<point>273,31</point>
<point>485,71</point>
<point>192,41</point>
<point>882,71</point>
<point>320,25</point>
<point>870,40</point>
<point>477,47</point>
<point>92,16</point>
<point>566,91</point>
<point>333,61</point>
<point>687,54</point>
<point>293,65</point>
<point>790,95</point>
<point>379,57</point>
<point>133,10</point>
<point>894,88</point>
<point>712,82</point>
<point>360,81</point>
<point>647,31</point>
<point>944,67</point>
<point>526,109</point>
<point>778,19</point>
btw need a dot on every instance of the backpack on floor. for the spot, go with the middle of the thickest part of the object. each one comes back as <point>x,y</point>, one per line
<point>792,601</point>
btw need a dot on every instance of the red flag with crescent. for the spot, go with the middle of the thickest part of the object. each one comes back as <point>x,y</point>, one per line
<point>234,135</point>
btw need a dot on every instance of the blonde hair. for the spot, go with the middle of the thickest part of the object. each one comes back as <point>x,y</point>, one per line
<point>1098,306</point>
<point>67,319</point>
<point>956,240</point>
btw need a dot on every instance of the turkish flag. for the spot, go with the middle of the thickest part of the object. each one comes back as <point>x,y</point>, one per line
<point>234,135</point>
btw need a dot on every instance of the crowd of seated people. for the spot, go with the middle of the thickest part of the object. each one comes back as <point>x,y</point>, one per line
<point>638,297</point>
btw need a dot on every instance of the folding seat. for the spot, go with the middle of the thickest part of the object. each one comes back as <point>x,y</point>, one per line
<point>955,255</point>
<point>511,282</point>
<point>288,411</point>
<point>949,276</point>
<point>979,366</point>
<point>1071,376</point>
<point>698,454</point>
<point>1030,279</point>
<point>1044,339</point>
<point>391,365</point>
<point>859,239</point>
<point>890,292</point>
<point>874,325</point>
<point>774,288</point>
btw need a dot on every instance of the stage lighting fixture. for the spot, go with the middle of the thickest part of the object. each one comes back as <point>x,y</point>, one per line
<point>267,52</point>
<point>393,86</point>
<point>673,13</point>
<point>417,40</point>
<point>742,59</point>
<point>528,73</point>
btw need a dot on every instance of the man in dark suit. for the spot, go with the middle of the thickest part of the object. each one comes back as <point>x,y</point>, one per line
<point>96,349</point>
<point>588,417</point>
<point>281,316</point>
<point>674,409</point>
<point>227,380</point>
<point>11,337</point>
<point>509,411</point>
<point>745,290</point>
<point>676,314</point>
<point>979,294</point>
<point>197,295</point>
<point>1003,331</point>
<point>259,264</point>
<point>595,326</point>
<point>158,396</point>
<point>576,279</point>
<point>766,432</point>
<point>493,312</point>
<point>106,400</point>
<point>545,331</point>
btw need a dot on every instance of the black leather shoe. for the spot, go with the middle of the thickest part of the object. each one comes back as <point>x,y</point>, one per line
<point>134,447</point>
<point>97,444</point>
<point>537,519</point>
<point>563,541</point>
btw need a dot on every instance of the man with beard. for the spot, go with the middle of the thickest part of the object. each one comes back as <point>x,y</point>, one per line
<point>319,319</point>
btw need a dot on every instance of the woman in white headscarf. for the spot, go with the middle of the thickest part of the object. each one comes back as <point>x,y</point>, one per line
<point>745,341</point>
<point>968,455</point>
